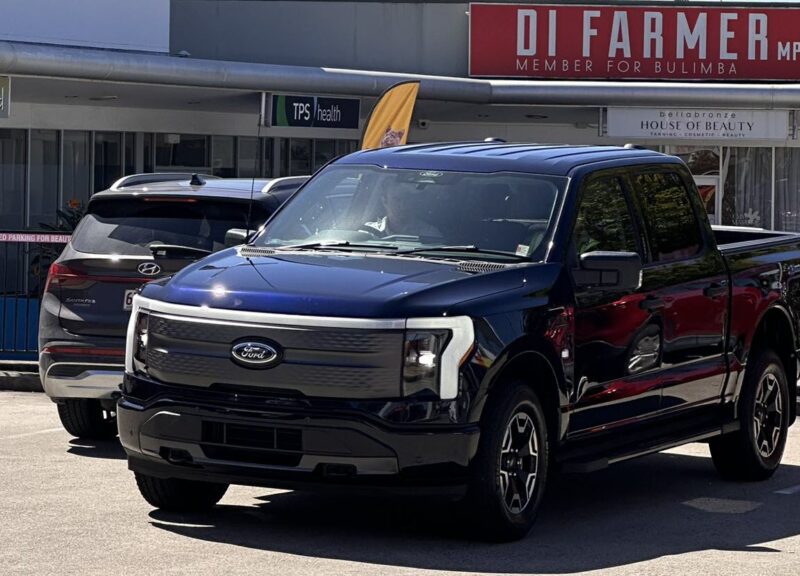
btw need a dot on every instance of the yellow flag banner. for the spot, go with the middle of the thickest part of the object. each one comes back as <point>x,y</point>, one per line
<point>389,121</point>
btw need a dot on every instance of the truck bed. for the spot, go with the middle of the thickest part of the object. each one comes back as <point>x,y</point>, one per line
<point>736,239</point>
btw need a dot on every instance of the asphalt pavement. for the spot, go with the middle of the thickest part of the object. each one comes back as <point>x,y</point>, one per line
<point>72,507</point>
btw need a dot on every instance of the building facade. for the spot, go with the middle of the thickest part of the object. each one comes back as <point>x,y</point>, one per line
<point>165,86</point>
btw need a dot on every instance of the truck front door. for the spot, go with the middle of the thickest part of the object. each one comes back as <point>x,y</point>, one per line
<point>616,343</point>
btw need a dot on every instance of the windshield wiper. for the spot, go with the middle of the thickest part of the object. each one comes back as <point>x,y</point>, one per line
<point>332,245</point>
<point>463,248</point>
<point>176,251</point>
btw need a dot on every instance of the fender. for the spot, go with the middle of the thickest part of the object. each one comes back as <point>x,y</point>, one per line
<point>532,353</point>
<point>739,366</point>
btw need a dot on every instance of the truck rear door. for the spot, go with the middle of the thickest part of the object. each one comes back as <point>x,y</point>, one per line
<point>686,290</point>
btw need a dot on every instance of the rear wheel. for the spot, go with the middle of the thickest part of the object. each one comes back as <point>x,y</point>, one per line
<point>755,450</point>
<point>87,419</point>
<point>510,470</point>
<point>176,495</point>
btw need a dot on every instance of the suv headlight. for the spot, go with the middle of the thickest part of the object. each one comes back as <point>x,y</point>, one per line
<point>422,355</point>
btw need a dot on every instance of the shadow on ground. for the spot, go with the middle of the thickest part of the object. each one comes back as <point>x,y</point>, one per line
<point>656,506</point>
<point>96,448</point>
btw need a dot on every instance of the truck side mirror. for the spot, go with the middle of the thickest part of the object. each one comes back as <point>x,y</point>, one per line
<point>236,236</point>
<point>610,270</point>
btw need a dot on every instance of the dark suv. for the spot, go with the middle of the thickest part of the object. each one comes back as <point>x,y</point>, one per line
<point>143,228</point>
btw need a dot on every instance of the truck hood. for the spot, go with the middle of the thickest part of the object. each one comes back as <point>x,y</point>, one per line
<point>349,285</point>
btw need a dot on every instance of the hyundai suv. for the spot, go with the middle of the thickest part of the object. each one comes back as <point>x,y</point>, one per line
<point>145,227</point>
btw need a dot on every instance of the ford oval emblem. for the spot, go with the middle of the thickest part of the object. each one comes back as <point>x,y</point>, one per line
<point>253,354</point>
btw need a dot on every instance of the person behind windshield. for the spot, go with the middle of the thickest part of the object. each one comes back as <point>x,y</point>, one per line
<point>402,205</point>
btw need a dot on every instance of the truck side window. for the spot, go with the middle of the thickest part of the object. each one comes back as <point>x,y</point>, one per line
<point>673,228</point>
<point>604,221</point>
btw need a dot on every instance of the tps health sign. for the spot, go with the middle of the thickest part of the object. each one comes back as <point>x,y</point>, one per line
<point>315,111</point>
<point>635,42</point>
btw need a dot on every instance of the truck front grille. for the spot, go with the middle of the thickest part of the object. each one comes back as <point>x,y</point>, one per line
<point>316,362</point>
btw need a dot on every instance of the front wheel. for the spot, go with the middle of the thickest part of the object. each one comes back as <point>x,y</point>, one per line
<point>755,450</point>
<point>510,470</point>
<point>176,495</point>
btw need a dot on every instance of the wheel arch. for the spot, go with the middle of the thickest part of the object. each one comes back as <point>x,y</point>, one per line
<point>775,331</point>
<point>537,371</point>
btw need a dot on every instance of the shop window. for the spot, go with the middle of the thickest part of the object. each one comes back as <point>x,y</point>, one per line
<point>703,163</point>
<point>12,179</point>
<point>268,152</point>
<point>324,152</point>
<point>76,169</point>
<point>747,186</point>
<point>299,157</point>
<point>182,153</point>
<point>43,188</point>
<point>107,159</point>
<point>787,189</point>
<point>130,153</point>
<point>247,157</point>
<point>223,152</point>
<point>149,152</point>
<point>346,147</point>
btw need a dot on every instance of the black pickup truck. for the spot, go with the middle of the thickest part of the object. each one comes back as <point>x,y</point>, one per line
<point>458,319</point>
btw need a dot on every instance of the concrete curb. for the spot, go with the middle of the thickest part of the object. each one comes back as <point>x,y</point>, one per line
<point>20,381</point>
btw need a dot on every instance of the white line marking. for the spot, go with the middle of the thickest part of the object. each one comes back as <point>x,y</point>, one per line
<point>789,490</point>
<point>15,436</point>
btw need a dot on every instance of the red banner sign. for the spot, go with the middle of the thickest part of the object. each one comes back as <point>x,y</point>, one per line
<point>634,42</point>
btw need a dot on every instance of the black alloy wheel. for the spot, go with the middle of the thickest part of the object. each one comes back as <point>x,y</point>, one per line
<point>519,462</point>
<point>754,451</point>
<point>509,471</point>
<point>768,415</point>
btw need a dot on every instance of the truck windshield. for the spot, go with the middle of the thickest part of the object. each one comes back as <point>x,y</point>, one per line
<point>406,211</point>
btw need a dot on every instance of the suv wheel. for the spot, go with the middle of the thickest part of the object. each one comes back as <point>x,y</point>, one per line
<point>755,450</point>
<point>176,495</point>
<point>510,469</point>
<point>87,419</point>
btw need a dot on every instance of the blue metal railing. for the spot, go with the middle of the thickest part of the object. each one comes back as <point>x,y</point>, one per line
<point>25,258</point>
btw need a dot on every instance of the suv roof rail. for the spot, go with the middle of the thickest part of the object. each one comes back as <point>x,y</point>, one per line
<point>279,184</point>
<point>153,177</point>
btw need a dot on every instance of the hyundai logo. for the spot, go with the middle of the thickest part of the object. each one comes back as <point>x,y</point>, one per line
<point>149,268</point>
<point>255,354</point>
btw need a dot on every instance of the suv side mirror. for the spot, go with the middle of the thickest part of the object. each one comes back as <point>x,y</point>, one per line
<point>614,270</point>
<point>236,236</point>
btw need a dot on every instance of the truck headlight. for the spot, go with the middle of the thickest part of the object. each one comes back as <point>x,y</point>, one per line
<point>140,335</point>
<point>422,354</point>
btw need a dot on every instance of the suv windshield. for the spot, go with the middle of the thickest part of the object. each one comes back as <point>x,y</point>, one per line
<point>408,211</point>
<point>129,226</point>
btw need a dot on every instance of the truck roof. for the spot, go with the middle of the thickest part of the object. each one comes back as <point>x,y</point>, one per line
<point>499,156</point>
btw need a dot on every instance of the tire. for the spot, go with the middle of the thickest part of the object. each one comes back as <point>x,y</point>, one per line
<point>501,504</point>
<point>176,495</point>
<point>755,450</point>
<point>87,419</point>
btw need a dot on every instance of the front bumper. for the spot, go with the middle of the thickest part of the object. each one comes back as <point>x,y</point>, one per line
<point>288,443</point>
